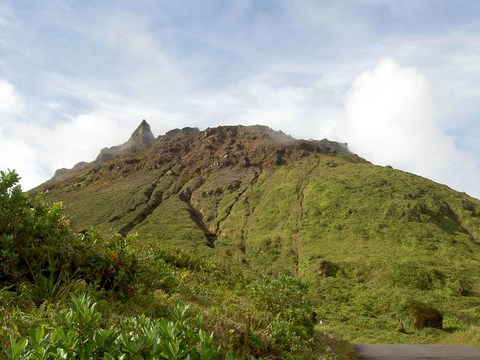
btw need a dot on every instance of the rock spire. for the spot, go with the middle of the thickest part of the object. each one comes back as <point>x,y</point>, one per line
<point>142,135</point>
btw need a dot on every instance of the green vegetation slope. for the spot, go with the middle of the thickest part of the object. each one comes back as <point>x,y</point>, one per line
<point>69,295</point>
<point>388,256</point>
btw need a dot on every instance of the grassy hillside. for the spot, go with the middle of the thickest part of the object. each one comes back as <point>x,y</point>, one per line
<point>376,245</point>
<point>68,295</point>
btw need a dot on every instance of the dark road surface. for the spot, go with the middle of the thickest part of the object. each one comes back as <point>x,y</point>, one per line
<point>416,352</point>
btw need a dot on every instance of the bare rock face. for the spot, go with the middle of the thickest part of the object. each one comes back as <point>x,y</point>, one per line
<point>140,139</point>
<point>178,134</point>
<point>221,146</point>
<point>142,135</point>
<point>63,171</point>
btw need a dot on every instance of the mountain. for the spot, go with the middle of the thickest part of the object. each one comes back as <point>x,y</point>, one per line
<point>371,241</point>
<point>140,139</point>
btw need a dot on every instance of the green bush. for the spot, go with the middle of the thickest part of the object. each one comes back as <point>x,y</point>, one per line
<point>284,303</point>
<point>36,243</point>
<point>79,332</point>
<point>42,256</point>
<point>109,263</point>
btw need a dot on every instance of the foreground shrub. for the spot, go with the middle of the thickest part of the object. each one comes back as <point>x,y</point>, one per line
<point>108,262</point>
<point>43,257</point>
<point>282,301</point>
<point>36,243</point>
<point>78,332</point>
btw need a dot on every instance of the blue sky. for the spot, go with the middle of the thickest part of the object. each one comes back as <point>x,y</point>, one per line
<point>398,80</point>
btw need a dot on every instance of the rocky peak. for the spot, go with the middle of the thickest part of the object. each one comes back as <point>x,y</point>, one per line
<point>142,135</point>
<point>140,139</point>
<point>221,146</point>
<point>186,132</point>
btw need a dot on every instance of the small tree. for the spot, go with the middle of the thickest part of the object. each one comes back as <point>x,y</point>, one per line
<point>35,238</point>
<point>40,251</point>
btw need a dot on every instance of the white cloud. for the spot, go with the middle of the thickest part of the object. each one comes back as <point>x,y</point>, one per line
<point>288,98</point>
<point>36,152</point>
<point>18,155</point>
<point>390,118</point>
<point>10,101</point>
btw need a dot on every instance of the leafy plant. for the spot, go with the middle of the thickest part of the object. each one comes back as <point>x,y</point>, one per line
<point>36,243</point>
<point>285,305</point>
<point>79,332</point>
<point>41,255</point>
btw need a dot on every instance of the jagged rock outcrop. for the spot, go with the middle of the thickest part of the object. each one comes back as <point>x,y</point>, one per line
<point>140,139</point>
<point>63,171</point>
<point>141,136</point>
<point>222,139</point>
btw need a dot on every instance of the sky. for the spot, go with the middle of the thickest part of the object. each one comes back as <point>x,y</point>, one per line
<point>399,81</point>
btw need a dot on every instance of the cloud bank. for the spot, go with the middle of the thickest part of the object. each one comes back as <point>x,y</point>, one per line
<point>391,119</point>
